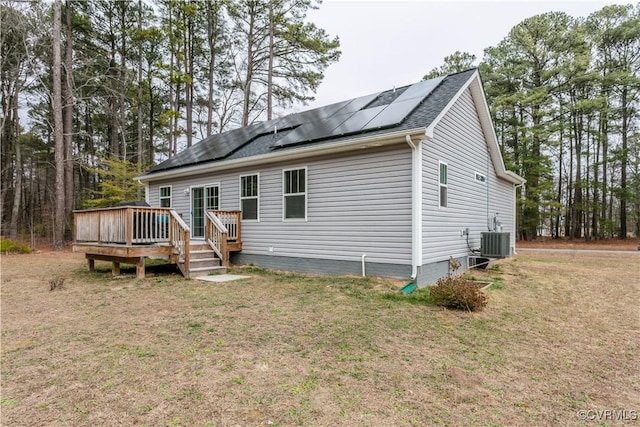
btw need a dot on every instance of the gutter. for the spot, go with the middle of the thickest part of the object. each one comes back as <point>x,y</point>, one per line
<point>515,213</point>
<point>290,154</point>
<point>416,205</point>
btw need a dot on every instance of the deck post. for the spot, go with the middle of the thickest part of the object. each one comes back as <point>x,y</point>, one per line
<point>129,226</point>
<point>115,268</point>
<point>140,268</point>
<point>92,265</point>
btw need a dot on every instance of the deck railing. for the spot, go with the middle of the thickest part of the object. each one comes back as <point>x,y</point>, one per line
<point>126,225</point>
<point>217,236</point>
<point>231,220</point>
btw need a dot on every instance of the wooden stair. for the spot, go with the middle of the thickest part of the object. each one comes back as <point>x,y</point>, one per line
<point>204,261</point>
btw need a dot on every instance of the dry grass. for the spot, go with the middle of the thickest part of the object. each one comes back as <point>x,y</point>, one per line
<point>561,333</point>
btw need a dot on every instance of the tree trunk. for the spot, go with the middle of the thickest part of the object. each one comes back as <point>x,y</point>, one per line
<point>140,94</point>
<point>59,218</point>
<point>17,192</point>
<point>212,34</point>
<point>188,66</point>
<point>556,231</point>
<point>595,220</point>
<point>7,119</point>
<point>122,84</point>
<point>577,206</point>
<point>605,143</point>
<point>172,89</point>
<point>623,165</point>
<point>249,77</point>
<point>270,69</point>
<point>68,117</point>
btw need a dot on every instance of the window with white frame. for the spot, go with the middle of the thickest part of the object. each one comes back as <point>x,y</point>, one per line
<point>295,193</point>
<point>165,197</point>
<point>249,201</point>
<point>443,184</point>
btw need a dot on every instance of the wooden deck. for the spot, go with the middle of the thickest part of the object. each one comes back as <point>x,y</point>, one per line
<point>128,235</point>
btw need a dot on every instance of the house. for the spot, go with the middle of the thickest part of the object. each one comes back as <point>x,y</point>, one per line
<point>391,184</point>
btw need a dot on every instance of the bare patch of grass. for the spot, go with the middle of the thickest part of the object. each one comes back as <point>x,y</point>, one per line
<point>560,333</point>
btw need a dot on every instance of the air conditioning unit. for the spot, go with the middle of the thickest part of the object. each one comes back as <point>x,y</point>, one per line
<point>495,245</point>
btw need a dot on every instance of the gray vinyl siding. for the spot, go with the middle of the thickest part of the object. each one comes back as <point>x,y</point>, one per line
<point>459,142</point>
<point>357,204</point>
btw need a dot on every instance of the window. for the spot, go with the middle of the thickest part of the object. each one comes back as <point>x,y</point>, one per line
<point>165,197</point>
<point>249,196</point>
<point>295,193</point>
<point>213,198</point>
<point>443,184</point>
<point>480,177</point>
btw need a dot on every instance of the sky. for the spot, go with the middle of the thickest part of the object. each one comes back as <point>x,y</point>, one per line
<point>394,43</point>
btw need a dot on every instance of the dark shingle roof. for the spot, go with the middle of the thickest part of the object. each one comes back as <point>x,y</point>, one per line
<point>405,108</point>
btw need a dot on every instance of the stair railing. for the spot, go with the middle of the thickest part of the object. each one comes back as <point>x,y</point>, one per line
<point>179,236</point>
<point>216,235</point>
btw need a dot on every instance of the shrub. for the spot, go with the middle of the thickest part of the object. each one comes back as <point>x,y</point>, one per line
<point>9,246</point>
<point>458,293</point>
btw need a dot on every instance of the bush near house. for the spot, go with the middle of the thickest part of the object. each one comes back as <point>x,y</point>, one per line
<point>458,293</point>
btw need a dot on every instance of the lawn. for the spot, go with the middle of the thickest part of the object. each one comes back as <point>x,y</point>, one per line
<point>561,334</point>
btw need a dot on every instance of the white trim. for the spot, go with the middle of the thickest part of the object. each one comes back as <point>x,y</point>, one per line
<point>257,197</point>
<point>445,185</point>
<point>146,192</point>
<point>305,194</point>
<point>283,154</point>
<point>170,187</point>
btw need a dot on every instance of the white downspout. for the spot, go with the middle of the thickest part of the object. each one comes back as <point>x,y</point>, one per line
<point>416,206</point>
<point>515,215</point>
<point>364,260</point>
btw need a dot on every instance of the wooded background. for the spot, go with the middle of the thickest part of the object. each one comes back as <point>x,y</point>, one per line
<point>95,92</point>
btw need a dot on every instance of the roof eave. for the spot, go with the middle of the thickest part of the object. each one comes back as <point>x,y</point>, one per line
<point>282,155</point>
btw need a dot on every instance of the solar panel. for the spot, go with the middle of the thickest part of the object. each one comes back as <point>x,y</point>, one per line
<point>314,130</point>
<point>358,120</point>
<point>320,122</point>
<point>419,90</point>
<point>359,103</point>
<point>393,114</point>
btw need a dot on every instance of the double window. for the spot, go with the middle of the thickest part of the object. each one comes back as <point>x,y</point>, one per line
<point>295,193</point>
<point>249,201</point>
<point>165,197</point>
<point>443,184</point>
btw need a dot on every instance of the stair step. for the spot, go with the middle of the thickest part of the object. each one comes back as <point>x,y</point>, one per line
<point>214,262</point>
<point>197,255</point>
<point>200,247</point>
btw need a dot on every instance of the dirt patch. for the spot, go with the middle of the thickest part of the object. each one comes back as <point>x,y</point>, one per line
<point>560,334</point>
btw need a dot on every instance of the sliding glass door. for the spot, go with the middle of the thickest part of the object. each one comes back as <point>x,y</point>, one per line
<point>205,198</point>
